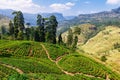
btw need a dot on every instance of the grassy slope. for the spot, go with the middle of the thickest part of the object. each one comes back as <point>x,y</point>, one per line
<point>4,21</point>
<point>85,32</point>
<point>31,58</point>
<point>103,43</point>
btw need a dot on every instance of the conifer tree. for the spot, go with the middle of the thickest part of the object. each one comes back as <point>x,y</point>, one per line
<point>60,39</point>
<point>40,24</point>
<point>11,29</point>
<point>19,24</point>
<point>51,28</point>
<point>69,38</point>
<point>75,41</point>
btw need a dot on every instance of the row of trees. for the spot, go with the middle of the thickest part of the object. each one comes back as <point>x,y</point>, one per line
<point>44,32</point>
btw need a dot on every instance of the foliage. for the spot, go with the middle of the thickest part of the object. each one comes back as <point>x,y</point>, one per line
<point>60,39</point>
<point>103,58</point>
<point>70,38</point>
<point>75,41</point>
<point>6,72</point>
<point>116,45</point>
<point>19,24</point>
<point>51,28</point>
<point>77,30</point>
<point>41,32</point>
<point>17,77</point>
<point>76,63</point>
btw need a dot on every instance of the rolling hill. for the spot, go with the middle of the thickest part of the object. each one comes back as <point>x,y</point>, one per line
<point>36,61</point>
<point>104,43</point>
<point>86,32</point>
<point>4,21</point>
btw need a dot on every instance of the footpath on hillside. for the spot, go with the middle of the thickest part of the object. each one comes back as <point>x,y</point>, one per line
<point>66,72</point>
<point>11,67</point>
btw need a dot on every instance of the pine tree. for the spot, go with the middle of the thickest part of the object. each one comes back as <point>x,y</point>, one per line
<point>36,37</point>
<point>28,31</point>
<point>51,28</point>
<point>40,24</point>
<point>3,30</point>
<point>19,24</point>
<point>11,29</point>
<point>60,39</point>
<point>75,42</point>
<point>32,33</point>
<point>69,38</point>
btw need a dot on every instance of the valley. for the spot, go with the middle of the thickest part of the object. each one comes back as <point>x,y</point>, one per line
<point>59,42</point>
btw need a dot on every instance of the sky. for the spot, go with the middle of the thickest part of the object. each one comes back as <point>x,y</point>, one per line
<point>66,7</point>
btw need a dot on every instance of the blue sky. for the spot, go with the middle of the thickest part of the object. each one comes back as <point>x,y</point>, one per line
<point>67,7</point>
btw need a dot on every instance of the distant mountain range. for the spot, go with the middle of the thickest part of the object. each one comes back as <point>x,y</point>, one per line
<point>101,17</point>
<point>31,18</point>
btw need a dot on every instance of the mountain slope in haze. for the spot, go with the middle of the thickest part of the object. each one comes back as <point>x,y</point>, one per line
<point>101,18</point>
<point>31,18</point>
<point>104,44</point>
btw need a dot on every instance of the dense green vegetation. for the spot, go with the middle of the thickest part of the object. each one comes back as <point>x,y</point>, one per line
<point>76,63</point>
<point>6,72</point>
<point>31,58</point>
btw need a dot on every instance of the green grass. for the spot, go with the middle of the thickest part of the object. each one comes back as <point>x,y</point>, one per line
<point>32,65</point>
<point>44,76</point>
<point>5,72</point>
<point>56,50</point>
<point>31,58</point>
<point>75,63</point>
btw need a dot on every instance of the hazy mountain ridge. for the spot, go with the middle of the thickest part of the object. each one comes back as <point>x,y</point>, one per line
<point>31,18</point>
<point>101,17</point>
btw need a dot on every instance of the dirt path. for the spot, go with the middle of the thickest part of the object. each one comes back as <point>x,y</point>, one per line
<point>11,67</point>
<point>47,53</point>
<point>58,59</point>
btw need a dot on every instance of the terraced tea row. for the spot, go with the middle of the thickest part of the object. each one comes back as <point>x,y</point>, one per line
<point>5,72</point>
<point>17,48</point>
<point>76,63</point>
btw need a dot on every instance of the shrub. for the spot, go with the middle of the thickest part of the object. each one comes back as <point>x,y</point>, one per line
<point>103,58</point>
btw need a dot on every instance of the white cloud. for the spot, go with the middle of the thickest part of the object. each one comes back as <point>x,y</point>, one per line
<point>61,7</point>
<point>87,2</point>
<point>113,2</point>
<point>23,5</point>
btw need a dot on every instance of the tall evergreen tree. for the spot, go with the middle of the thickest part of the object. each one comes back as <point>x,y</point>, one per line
<point>32,33</point>
<point>60,39</point>
<point>3,30</point>
<point>28,31</point>
<point>19,24</point>
<point>51,28</point>
<point>40,24</point>
<point>70,38</point>
<point>36,37</point>
<point>75,41</point>
<point>11,28</point>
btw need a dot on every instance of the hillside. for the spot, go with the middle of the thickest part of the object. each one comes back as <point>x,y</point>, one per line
<point>36,61</point>
<point>4,21</point>
<point>104,44</point>
<point>101,18</point>
<point>86,31</point>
